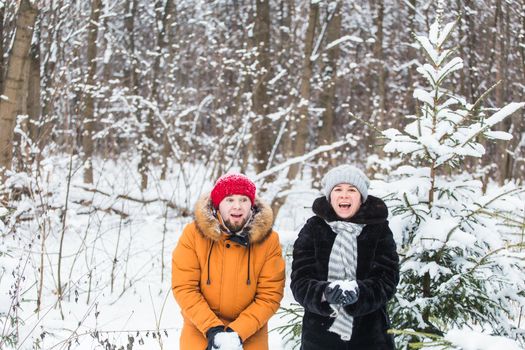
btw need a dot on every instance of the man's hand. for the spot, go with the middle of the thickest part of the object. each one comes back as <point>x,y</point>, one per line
<point>221,339</point>
<point>210,335</point>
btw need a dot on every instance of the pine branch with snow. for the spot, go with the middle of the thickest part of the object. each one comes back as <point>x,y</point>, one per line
<point>463,262</point>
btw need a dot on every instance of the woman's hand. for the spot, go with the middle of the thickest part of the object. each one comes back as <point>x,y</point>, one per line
<point>342,292</point>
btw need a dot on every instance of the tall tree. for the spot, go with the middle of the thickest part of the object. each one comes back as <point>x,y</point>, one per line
<point>408,103</point>
<point>50,26</point>
<point>2,14</point>
<point>379,72</point>
<point>504,149</point>
<point>38,128</point>
<point>261,101</point>
<point>329,75</point>
<point>163,12</point>
<point>89,101</point>
<point>301,120</point>
<point>12,89</point>
<point>299,125</point>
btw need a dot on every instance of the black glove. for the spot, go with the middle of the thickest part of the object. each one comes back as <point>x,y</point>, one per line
<point>210,335</point>
<point>333,295</point>
<point>350,297</point>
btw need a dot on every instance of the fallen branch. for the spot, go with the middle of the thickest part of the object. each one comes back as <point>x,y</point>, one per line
<point>109,210</point>
<point>183,211</point>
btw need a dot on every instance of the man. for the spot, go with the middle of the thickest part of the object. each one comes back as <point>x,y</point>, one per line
<point>228,269</point>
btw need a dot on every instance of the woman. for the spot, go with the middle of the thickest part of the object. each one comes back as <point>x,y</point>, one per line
<point>345,267</point>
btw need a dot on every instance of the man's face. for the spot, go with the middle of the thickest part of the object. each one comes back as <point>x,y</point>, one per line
<point>235,211</point>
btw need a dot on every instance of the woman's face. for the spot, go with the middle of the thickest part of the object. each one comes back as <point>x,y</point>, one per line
<point>346,200</point>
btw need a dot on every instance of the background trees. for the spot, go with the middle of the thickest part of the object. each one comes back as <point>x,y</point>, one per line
<point>248,84</point>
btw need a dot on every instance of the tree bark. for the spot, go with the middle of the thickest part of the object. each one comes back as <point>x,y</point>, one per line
<point>410,106</point>
<point>148,134</point>
<point>89,102</point>
<point>379,112</point>
<point>12,90</point>
<point>327,98</point>
<point>302,119</point>
<point>2,14</point>
<point>20,150</point>
<point>40,128</point>
<point>129,24</point>
<point>299,125</point>
<point>262,131</point>
<point>170,22</point>
<point>49,85</point>
<point>506,161</point>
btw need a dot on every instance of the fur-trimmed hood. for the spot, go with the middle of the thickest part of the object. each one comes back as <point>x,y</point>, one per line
<point>372,211</point>
<point>208,225</point>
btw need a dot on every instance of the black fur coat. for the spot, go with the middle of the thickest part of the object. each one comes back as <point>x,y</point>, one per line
<point>377,277</point>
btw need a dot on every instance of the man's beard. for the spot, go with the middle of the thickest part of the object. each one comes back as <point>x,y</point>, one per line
<point>235,227</point>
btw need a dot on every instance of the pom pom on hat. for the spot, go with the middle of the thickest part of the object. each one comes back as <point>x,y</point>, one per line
<point>345,174</point>
<point>231,184</point>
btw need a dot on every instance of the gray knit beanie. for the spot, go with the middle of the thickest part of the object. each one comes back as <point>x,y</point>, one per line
<point>345,174</point>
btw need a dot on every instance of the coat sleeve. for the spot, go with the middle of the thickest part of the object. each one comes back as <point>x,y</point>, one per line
<point>306,284</point>
<point>380,284</point>
<point>185,283</point>
<point>270,289</point>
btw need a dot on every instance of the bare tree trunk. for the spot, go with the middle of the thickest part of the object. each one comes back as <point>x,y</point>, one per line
<point>300,125</point>
<point>49,65</point>
<point>129,23</point>
<point>39,130</point>
<point>327,98</point>
<point>19,146</point>
<point>162,16</point>
<point>522,39</point>
<point>12,90</point>
<point>468,80</point>
<point>506,162</point>
<point>409,104</point>
<point>301,122</point>
<point>89,102</point>
<point>2,14</point>
<point>519,161</point>
<point>170,18</point>
<point>287,43</point>
<point>379,111</point>
<point>263,132</point>
<point>286,10</point>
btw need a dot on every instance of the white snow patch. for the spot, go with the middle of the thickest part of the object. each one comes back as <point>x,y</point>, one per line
<point>471,340</point>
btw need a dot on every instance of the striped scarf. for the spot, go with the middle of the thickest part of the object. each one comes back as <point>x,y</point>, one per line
<point>342,266</point>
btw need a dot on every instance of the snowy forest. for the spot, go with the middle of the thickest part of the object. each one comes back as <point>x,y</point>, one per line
<point>115,116</point>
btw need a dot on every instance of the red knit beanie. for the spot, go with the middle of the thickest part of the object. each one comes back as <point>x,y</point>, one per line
<point>231,184</point>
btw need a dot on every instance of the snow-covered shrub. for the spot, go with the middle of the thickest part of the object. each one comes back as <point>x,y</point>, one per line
<point>462,258</point>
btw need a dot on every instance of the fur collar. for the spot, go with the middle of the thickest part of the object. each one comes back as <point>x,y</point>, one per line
<point>208,225</point>
<point>372,211</point>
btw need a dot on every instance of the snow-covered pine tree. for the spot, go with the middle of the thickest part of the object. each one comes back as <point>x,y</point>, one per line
<point>461,248</point>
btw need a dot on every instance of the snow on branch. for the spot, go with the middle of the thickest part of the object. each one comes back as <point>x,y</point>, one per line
<point>303,158</point>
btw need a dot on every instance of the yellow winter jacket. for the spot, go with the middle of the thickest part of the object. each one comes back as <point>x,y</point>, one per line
<point>219,282</point>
